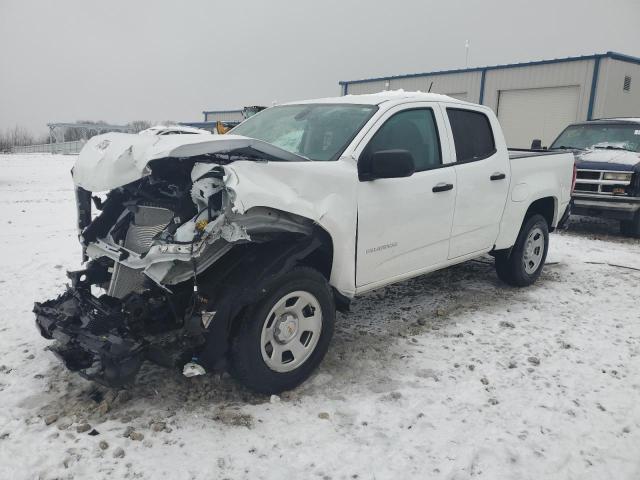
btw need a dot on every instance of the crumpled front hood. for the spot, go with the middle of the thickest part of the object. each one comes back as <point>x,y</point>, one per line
<point>114,159</point>
<point>617,159</point>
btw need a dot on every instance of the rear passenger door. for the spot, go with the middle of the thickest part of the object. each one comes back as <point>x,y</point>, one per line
<point>482,173</point>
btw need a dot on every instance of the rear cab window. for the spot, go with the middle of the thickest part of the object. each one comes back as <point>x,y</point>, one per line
<point>472,135</point>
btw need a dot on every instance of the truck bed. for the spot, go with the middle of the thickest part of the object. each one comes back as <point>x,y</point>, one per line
<point>548,175</point>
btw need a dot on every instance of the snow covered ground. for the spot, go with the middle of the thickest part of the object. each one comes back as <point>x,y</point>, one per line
<point>452,375</point>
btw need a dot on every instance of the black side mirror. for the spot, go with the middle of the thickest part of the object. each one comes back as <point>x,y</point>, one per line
<point>536,144</point>
<point>386,164</point>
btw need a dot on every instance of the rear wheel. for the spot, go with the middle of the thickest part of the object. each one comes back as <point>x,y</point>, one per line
<point>283,337</point>
<point>523,265</point>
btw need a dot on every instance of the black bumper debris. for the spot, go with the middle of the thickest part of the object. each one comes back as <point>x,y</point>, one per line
<point>92,338</point>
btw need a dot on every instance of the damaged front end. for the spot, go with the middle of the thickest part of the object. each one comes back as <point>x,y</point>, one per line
<point>148,291</point>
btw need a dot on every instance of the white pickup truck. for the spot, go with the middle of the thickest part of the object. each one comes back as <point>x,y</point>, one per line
<point>234,251</point>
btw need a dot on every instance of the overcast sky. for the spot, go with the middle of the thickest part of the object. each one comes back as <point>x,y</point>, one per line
<point>122,60</point>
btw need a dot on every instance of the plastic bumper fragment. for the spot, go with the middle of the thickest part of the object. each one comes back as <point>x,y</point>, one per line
<point>90,337</point>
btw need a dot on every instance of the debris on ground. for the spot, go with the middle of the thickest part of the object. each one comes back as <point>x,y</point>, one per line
<point>85,427</point>
<point>49,419</point>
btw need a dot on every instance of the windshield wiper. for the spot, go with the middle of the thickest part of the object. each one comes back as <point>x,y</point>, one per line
<point>613,147</point>
<point>562,147</point>
<point>255,155</point>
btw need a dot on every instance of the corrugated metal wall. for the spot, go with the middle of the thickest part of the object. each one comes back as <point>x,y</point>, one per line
<point>611,99</point>
<point>224,116</point>
<point>543,96</point>
<point>367,87</point>
<point>464,85</point>
<point>565,74</point>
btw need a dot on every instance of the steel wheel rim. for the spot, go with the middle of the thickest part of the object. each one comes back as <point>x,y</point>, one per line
<point>533,250</point>
<point>291,331</point>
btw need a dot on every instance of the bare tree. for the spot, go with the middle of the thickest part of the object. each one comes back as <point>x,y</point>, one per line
<point>5,143</point>
<point>20,136</point>
<point>139,125</point>
<point>15,136</point>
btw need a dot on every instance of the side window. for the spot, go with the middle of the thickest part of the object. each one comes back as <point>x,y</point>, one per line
<point>412,130</point>
<point>472,134</point>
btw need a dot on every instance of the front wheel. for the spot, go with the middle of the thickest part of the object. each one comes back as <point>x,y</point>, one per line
<point>523,265</point>
<point>283,337</point>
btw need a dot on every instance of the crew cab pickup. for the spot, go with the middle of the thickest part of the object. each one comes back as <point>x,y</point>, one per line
<point>234,251</point>
<point>608,169</point>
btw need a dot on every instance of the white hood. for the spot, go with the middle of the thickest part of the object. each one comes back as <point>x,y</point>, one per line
<point>114,159</point>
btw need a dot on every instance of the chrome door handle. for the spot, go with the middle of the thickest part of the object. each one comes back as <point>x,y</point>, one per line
<point>498,176</point>
<point>442,187</point>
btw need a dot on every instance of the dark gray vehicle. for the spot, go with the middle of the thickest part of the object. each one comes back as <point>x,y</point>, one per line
<point>608,169</point>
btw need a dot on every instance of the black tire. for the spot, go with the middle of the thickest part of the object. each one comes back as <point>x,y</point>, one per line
<point>631,228</point>
<point>246,362</point>
<point>510,267</point>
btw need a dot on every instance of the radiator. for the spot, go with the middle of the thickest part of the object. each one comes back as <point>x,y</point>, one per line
<point>147,222</point>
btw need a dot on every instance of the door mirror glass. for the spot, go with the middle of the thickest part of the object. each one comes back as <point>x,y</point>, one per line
<point>536,144</point>
<point>390,164</point>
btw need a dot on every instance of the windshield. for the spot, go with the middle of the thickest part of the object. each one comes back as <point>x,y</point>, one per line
<point>600,135</point>
<point>315,131</point>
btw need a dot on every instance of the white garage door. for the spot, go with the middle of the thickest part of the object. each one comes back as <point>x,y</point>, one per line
<point>536,113</point>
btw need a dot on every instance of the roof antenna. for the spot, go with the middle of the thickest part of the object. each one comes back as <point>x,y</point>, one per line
<point>466,53</point>
<point>429,91</point>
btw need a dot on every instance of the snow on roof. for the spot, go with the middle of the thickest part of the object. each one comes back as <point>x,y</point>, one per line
<point>381,97</point>
<point>628,119</point>
<point>631,120</point>
<point>173,129</point>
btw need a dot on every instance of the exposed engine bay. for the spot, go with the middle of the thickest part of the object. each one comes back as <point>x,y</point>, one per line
<point>148,291</point>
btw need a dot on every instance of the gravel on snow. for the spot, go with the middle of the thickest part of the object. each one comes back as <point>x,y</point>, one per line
<point>451,375</point>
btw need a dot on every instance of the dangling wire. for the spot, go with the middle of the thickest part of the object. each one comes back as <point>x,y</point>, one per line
<point>195,273</point>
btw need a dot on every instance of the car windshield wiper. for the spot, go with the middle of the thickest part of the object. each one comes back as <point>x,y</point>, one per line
<point>256,155</point>
<point>562,147</point>
<point>613,147</point>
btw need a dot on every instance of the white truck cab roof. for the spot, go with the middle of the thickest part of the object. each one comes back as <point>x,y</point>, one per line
<point>392,96</point>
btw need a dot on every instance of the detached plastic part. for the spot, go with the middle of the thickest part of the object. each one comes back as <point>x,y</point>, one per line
<point>88,338</point>
<point>193,369</point>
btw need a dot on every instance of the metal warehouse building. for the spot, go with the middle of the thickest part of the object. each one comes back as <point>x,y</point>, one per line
<point>533,99</point>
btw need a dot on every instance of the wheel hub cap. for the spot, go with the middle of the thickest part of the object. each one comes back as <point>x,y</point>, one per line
<point>291,331</point>
<point>286,328</point>
<point>533,250</point>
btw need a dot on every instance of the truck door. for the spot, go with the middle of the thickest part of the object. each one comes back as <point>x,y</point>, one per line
<point>482,172</point>
<point>404,224</point>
